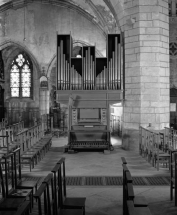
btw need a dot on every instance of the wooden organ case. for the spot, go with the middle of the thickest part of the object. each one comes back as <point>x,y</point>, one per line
<point>88,85</point>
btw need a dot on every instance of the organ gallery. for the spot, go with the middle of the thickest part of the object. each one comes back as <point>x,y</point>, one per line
<point>91,84</point>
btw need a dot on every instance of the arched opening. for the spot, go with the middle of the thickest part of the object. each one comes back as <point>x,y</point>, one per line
<point>21,76</point>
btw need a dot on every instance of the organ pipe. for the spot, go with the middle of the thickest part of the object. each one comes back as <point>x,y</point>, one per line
<point>108,77</point>
<point>119,64</point>
<point>59,73</point>
<point>86,71</point>
<point>91,70</point>
<point>61,68</point>
<point>116,60</point>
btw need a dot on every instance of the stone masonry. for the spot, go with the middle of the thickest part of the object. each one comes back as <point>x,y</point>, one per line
<point>146,28</point>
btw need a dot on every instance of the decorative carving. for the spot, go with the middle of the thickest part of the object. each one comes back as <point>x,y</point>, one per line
<point>173,49</point>
<point>43,82</point>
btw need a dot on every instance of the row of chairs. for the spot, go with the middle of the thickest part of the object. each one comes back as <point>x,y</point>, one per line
<point>16,194</point>
<point>32,142</point>
<point>52,198</point>
<point>150,147</point>
<point>7,136</point>
<point>132,204</point>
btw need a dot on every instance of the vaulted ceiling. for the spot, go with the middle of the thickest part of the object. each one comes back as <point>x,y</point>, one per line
<point>102,11</point>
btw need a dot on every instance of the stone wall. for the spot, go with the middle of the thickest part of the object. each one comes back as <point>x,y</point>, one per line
<point>146,25</point>
<point>33,28</point>
<point>173,51</point>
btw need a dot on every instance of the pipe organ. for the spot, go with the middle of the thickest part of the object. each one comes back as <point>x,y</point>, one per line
<point>92,84</point>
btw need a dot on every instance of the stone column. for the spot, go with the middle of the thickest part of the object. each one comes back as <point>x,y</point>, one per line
<point>146,28</point>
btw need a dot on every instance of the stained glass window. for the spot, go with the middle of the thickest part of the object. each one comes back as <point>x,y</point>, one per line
<point>20,76</point>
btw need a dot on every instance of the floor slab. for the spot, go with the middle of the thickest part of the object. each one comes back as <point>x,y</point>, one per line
<point>106,200</point>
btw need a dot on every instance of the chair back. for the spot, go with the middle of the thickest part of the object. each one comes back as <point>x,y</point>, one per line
<point>49,181</point>
<point>43,198</point>
<point>8,168</point>
<point>57,176</point>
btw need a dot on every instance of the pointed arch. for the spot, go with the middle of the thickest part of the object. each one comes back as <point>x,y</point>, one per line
<point>21,72</point>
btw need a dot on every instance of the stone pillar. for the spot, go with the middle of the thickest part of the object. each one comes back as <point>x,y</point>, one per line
<point>146,28</point>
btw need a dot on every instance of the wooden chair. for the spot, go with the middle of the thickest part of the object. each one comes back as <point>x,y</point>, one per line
<point>173,176</point>
<point>158,155</point>
<point>24,209</point>
<point>142,141</point>
<point>139,201</point>
<point>53,202</point>
<point>123,160</point>
<point>60,181</point>
<point>125,169</point>
<point>132,210</point>
<point>43,196</point>
<point>19,184</point>
<point>27,158</point>
<point>12,197</point>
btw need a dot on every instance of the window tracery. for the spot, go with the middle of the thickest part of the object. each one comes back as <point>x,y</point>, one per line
<point>20,77</point>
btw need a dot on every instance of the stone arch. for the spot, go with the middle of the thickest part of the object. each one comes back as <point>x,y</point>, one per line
<point>17,45</point>
<point>9,50</point>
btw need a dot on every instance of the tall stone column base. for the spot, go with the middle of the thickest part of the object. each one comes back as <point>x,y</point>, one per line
<point>130,140</point>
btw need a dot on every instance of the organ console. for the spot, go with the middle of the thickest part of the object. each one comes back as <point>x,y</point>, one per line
<point>95,84</point>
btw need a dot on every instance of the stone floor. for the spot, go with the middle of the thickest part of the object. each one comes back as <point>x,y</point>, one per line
<point>106,200</point>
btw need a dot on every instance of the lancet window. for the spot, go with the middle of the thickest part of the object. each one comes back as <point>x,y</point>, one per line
<point>21,76</point>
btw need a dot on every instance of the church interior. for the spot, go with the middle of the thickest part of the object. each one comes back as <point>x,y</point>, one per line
<point>88,117</point>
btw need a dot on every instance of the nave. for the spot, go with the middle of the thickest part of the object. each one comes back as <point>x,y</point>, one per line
<point>105,199</point>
